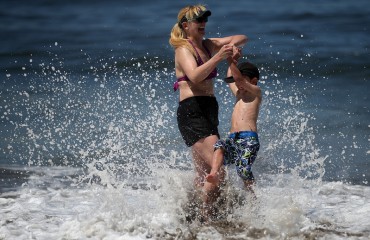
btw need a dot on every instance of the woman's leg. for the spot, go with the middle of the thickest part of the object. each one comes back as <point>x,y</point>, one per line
<point>202,157</point>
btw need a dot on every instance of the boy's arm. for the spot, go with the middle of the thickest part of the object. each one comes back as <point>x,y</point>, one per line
<point>240,83</point>
<point>236,55</point>
<point>232,86</point>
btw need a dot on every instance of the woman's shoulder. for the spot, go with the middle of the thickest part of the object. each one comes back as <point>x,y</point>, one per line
<point>183,52</point>
<point>181,49</point>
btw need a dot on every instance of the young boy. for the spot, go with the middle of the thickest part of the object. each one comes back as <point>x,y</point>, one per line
<point>241,146</point>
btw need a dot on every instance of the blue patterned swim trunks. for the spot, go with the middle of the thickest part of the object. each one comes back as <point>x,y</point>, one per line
<point>240,149</point>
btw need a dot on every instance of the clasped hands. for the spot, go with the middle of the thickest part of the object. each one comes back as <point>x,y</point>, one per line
<point>230,52</point>
<point>237,53</point>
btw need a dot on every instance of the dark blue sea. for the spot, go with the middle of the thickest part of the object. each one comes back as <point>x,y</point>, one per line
<point>89,145</point>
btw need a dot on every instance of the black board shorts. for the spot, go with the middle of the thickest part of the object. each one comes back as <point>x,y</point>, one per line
<point>197,118</point>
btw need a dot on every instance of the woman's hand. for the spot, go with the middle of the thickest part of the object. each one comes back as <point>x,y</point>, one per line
<point>237,53</point>
<point>226,51</point>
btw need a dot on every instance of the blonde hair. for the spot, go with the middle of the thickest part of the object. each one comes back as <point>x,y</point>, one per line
<point>178,36</point>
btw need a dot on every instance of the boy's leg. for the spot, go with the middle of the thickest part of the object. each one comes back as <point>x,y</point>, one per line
<point>248,184</point>
<point>218,157</point>
<point>211,188</point>
<point>248,152</point>
<point>211,185</point>
<point>202,152</point>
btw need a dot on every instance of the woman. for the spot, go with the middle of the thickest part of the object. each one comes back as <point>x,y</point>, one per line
<point>196,59</point>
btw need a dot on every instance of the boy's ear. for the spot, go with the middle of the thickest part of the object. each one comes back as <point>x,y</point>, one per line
<point>254,80</point>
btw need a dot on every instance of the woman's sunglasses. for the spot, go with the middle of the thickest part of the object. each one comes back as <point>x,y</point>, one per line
<point>199,19</point>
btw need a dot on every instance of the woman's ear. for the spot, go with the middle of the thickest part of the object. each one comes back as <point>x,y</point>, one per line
<point>185,25</point>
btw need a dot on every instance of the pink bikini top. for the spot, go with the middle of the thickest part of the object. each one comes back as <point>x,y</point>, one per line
<point>199,62</point>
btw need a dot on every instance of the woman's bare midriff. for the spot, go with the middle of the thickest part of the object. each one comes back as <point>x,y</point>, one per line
<point>189,89</point>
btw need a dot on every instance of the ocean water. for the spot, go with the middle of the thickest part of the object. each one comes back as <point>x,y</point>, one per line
<point>89,145</point>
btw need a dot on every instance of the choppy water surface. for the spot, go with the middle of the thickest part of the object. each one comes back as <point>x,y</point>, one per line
<point>90,147</point>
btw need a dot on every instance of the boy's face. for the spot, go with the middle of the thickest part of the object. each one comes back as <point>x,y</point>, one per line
<point>248,79</point>
<point>251,80</point>
<point>239,85</point>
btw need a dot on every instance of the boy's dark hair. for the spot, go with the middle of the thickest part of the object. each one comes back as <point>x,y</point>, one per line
<point>247,69</point>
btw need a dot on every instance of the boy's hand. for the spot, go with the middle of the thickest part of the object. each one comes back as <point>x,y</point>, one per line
<point>237,53</point>
<point>235,56</point>
<point>231,60</point>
